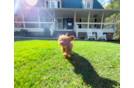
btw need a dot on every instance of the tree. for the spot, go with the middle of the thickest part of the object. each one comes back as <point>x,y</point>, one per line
<point>113,4</point>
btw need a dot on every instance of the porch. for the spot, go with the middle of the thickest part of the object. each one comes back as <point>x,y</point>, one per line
<point>77,20</point>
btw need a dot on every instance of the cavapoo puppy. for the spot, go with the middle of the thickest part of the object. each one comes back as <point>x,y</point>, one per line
<point>66,44</point>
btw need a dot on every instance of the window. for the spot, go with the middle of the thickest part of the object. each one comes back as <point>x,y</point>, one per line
<point>47,4</point>
<point>53,4</point>
<point>32,25</point>
<point>46,20</point>
<point>88,4</point>
<point>31,19</point>
<point>19,19</point>
<point>58,4</point>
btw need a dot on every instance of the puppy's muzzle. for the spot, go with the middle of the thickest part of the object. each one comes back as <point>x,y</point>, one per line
<point>61,43</point>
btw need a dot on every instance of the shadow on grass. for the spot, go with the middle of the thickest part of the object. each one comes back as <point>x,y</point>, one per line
<point>89,75</point>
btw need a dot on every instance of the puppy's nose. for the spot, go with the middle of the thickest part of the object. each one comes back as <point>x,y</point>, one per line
<point>61,42</point>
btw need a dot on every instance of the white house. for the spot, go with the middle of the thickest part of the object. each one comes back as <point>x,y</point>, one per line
<point>62,16</point>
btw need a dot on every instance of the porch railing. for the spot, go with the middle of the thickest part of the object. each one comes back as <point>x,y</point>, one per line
<point>76,29</point>
<point>94,23</point>
<point>52,27</point>
<point>107,27</point>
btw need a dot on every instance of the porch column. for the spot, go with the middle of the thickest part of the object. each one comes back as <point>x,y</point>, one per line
<point>88,20</point>
<point>102,20</point>
<point>75,25</point>
<point>39,19</point>
<point>114,25</point>
<point>23,18</point>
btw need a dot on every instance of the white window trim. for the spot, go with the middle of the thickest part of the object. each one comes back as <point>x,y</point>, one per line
<point>91,6</point>
<point>56,1</point>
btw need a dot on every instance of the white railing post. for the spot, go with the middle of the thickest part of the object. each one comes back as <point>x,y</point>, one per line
<point>51,29</point>
<point>102,20</point>
<point>39,19</point>
<point>77,31</point>
<point>23,18</point>
<point>74,18</point>
<point>88,20</point>
<point>115,25</point>
<point>54,17</point>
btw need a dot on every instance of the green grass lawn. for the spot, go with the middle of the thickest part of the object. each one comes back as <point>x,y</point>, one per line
<point>40,64</point>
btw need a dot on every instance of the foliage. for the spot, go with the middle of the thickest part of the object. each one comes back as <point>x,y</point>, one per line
<point>46,32</point>
<point>114,4</point>
<point>24,32</point>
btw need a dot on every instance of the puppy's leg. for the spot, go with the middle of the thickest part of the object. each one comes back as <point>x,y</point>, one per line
<point>62,49</point>
<point>65,53</point>
<point>66,56</point>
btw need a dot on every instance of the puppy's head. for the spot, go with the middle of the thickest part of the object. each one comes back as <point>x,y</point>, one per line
<point>64,40</point>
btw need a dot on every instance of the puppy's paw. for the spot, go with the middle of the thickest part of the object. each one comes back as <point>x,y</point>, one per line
<point>66,57</point>
<point>64,53</point>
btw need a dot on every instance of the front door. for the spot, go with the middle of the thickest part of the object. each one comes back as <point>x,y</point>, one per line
<point>69,23</point>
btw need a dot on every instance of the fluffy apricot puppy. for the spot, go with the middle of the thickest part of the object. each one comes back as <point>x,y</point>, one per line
<point>66,44</point>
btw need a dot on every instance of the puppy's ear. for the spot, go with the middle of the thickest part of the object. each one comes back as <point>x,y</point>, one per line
<point>66,34</point>
<point>71,38</point>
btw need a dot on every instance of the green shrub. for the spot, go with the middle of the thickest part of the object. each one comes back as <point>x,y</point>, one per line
<point>47,32</point>
<point>117,35</point>
<point>24,32</point>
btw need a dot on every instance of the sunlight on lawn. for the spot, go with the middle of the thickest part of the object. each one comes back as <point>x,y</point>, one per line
<point>39,63</point>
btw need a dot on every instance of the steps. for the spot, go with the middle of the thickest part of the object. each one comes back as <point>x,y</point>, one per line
<point>57,33</point>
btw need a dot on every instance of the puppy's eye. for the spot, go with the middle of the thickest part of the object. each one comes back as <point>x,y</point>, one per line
<point>63,40</point>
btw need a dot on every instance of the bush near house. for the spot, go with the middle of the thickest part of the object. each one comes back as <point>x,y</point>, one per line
<point>22,32</point>
<point>47,32</point>
<point>25,33</point>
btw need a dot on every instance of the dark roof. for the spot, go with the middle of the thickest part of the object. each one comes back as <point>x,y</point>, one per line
<point>78,4</point>
<point>97,5</point>
<point>71,4</point>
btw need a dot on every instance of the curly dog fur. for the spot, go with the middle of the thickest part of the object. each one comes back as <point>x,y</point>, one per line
<point>66,45</point>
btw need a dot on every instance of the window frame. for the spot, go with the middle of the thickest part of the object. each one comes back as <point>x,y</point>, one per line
<point>91,4</point>
<point>55,4</point>
<point>58,3</point>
